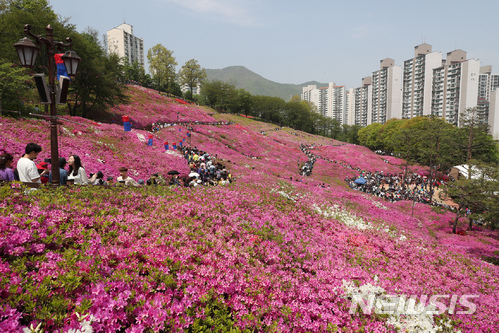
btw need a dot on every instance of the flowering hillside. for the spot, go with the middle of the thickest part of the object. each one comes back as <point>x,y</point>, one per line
<point>272,252</point>
<point>147,106</point>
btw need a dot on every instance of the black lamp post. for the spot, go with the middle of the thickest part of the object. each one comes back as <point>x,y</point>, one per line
<point>27,52</point>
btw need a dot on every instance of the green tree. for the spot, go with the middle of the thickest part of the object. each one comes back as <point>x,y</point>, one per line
<point>174,89</point>
<point>15,14</point>
<point>162,66</point>
<point>434,146</point>
<point>133,72</point>
<point>472,138</point>
<point>218,94</point>
<point>477,196</point>
<point>268,108</point>
<point>467,194</point>
<point>405,145</point>
<point>13,79</point>
<point>368,136</point>
<point>491,202</point>
<point>243,102</point>
<point>351,133</point>
<point>387,132</point>
<point>297,115</point>
<point>192,74</point>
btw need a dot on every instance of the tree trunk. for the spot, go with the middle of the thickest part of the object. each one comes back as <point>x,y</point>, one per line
<point>454,228</point>
<point>470,227</point>
<point>84,110</point>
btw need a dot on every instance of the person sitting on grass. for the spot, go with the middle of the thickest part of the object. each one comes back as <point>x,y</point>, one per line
<point>76,172</point>
<point>97,179</point>
<point>43,169</point>
<point>26,168</point>
<point>124,179</point>
<point>6,173</point>
<point>63,174</point>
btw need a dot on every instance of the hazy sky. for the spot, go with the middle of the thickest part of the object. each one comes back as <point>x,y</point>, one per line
<point>290,41</point>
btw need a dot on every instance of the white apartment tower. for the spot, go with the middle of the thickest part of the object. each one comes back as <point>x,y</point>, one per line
<point>330,100</point>
<point>324,99</point>
<point>363,103</point>
<point>487,84</point>
<point>417,81</point>
<point>327,107</point>
<point>494,114</point>
<point>338,107</point>
<point>455,86</point>
<point>311,94</point>
<point>350,107</point>
<point>120,40</point>
<point>386,92</point>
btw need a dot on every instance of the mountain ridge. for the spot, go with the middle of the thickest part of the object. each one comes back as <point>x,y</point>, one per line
<point>255,84</point>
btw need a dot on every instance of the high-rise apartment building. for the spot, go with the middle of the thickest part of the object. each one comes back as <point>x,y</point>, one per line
<point>455,86</point>
<point>121,41</point>
<point>337,108</point>
<point>311,94</point>
<point>328,93</point>
<point>417,81</point>
<point>363,103</point>
<point>350,106</point>
<point>493,116</point>
<point>386,92</point>
<point>487,84</point>
<point>323,101</point>
<point>330,100</point>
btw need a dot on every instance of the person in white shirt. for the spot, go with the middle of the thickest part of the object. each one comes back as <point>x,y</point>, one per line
<point>28,173</point>
<point>125,179</point>
<point>76,171</point>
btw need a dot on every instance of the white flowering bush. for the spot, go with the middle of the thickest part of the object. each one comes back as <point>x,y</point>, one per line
<point>345,216</point>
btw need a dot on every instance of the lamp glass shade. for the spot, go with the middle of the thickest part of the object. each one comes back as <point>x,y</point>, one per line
<point>27,52</point>
<point>71,62</point>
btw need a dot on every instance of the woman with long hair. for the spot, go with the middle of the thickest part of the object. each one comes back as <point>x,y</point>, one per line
<point>6,172</point>
<point>76,171</point>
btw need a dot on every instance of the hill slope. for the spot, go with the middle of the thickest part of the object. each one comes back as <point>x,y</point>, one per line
<point>255,84</point>
<point>273,251</point>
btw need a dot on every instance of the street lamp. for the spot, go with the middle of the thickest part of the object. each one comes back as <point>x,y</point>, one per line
<point>71,62</point>
<point>27,52</point>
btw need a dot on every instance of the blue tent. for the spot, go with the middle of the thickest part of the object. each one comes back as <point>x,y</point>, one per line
<point>360,180</point>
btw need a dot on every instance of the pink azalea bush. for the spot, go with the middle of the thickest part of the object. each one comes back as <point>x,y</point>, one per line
<point>147,106</point>
<point>273,251</point>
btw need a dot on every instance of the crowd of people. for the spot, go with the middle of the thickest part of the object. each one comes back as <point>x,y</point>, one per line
<point>389,186</point>
<point>160,125</point>
<point>274,129</point>
<point>205,170</point>
<point>306,168</point>
<point>394,187</point>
